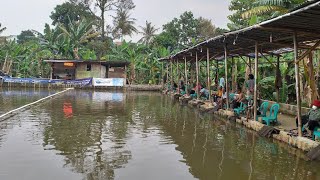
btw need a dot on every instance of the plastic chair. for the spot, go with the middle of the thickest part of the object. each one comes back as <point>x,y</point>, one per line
<point>240,109</point>
<point>316,133</point>
<point>231,96</point>
<point>264,108</point>
<point>273,117</point>
<point>193,95</point>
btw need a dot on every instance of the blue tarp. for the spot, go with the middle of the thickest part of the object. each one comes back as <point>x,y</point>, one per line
<point>81,82</point>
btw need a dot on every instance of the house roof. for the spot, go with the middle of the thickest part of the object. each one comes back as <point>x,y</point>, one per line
<point>104,63</point>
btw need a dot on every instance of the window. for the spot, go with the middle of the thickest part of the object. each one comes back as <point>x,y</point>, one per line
<point>88,67</point>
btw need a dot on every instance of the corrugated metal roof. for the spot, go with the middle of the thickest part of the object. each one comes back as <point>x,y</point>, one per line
<point>272,36</point>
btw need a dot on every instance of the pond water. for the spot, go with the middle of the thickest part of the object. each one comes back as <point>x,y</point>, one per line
<point>103,135</point>
<point>14,98</point>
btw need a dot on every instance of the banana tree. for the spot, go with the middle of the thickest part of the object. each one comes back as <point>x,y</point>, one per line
<point>264,9</point>
<point>79,33</point>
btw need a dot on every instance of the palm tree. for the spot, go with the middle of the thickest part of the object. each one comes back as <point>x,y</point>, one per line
<point>275,7</point>
<point>124,24</point>
<point>148,33</point>
<point>79,33</point>
<point>2,29</point>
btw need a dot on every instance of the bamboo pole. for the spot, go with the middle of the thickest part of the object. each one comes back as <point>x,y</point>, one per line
<point>277,79</point>
<point>161,78</point>
<point>296,67</point>
<point>171,75</point>
<point>167,74</point>
<point>208,73</point>
<point>250,66</point>
<point>178,90</point>
<point>226,74</point>
<point>255,96</point>
<point>197,72</point>
<point>186,74</point>
<point>217,75</point>
<point>51,71</point>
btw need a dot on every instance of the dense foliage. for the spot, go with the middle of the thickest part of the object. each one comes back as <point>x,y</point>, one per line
<point>80,31</point>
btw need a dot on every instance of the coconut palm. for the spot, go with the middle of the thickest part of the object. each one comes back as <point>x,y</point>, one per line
<point>148,33</point>
<point>124,24</point>
<point>275,7</point>
<point>79,33</point>
<point>2,29</point>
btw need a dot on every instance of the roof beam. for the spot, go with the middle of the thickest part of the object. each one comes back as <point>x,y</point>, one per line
<point>298,30</point>
<point>308,52</point>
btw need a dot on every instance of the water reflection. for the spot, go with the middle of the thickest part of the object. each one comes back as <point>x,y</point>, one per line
<point>92,142</point>
<point>14,98</point>
<point>103,135</point>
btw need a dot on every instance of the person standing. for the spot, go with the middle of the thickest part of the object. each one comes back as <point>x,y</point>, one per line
<point>222,82</point>
<point>250,84</point>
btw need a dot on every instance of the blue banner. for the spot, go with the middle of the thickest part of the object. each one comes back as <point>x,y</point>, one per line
<point>78,82</point>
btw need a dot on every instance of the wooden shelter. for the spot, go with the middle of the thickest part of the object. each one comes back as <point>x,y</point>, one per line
<point>80,69</point>
<point>297,31</point>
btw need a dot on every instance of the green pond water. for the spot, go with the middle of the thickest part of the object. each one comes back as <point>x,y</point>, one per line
<point>104,135</point>
<point>14,98</point>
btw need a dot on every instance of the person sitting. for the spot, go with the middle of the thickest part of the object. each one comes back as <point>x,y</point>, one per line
<point>222,100</point>
<point>311,120</point>
<point>237,101</point>
<point>218,94</point>
<point>204,93</point>
<point>193,92</point>
<point>198,87</point>
<point>183,88</point>
<point>175,86</point>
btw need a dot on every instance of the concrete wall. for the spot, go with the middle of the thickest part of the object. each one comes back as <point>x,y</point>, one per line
<point>289,109</point>
<point>97,71</point>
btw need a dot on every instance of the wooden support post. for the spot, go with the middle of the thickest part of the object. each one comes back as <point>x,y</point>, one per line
<point>51,71</point>
<point>197,74</point>
<point>178,78</point>
<point>161,77</point>
<point>296,65</point>
<point>208,73</point>
<point>250,66</point>
<point>167,80</point>
<point>217,75</point>
<point>278,78</point>
<point>186,75</point>
<point>171,75</point>
<point>255,96</point>
<point>226,74</point>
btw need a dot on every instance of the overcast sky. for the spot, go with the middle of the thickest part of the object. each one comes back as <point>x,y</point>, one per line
<point>18,15</point>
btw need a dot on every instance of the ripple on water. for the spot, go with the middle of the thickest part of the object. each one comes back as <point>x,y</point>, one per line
<point>87,135</point>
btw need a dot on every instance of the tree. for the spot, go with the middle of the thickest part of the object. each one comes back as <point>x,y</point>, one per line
<point>148,33</point>
<point>25,36</point>
<point>238,7</point>
<point>69,12</point>
<point>185,31</point>
<point>270,8</point>
<point>104,6</point>
<point>2,28</point>
<point>182,31</point>
<point>79,33</point>
<point>206,29</point>
<point>123,24</point>
<point>54,41</point>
